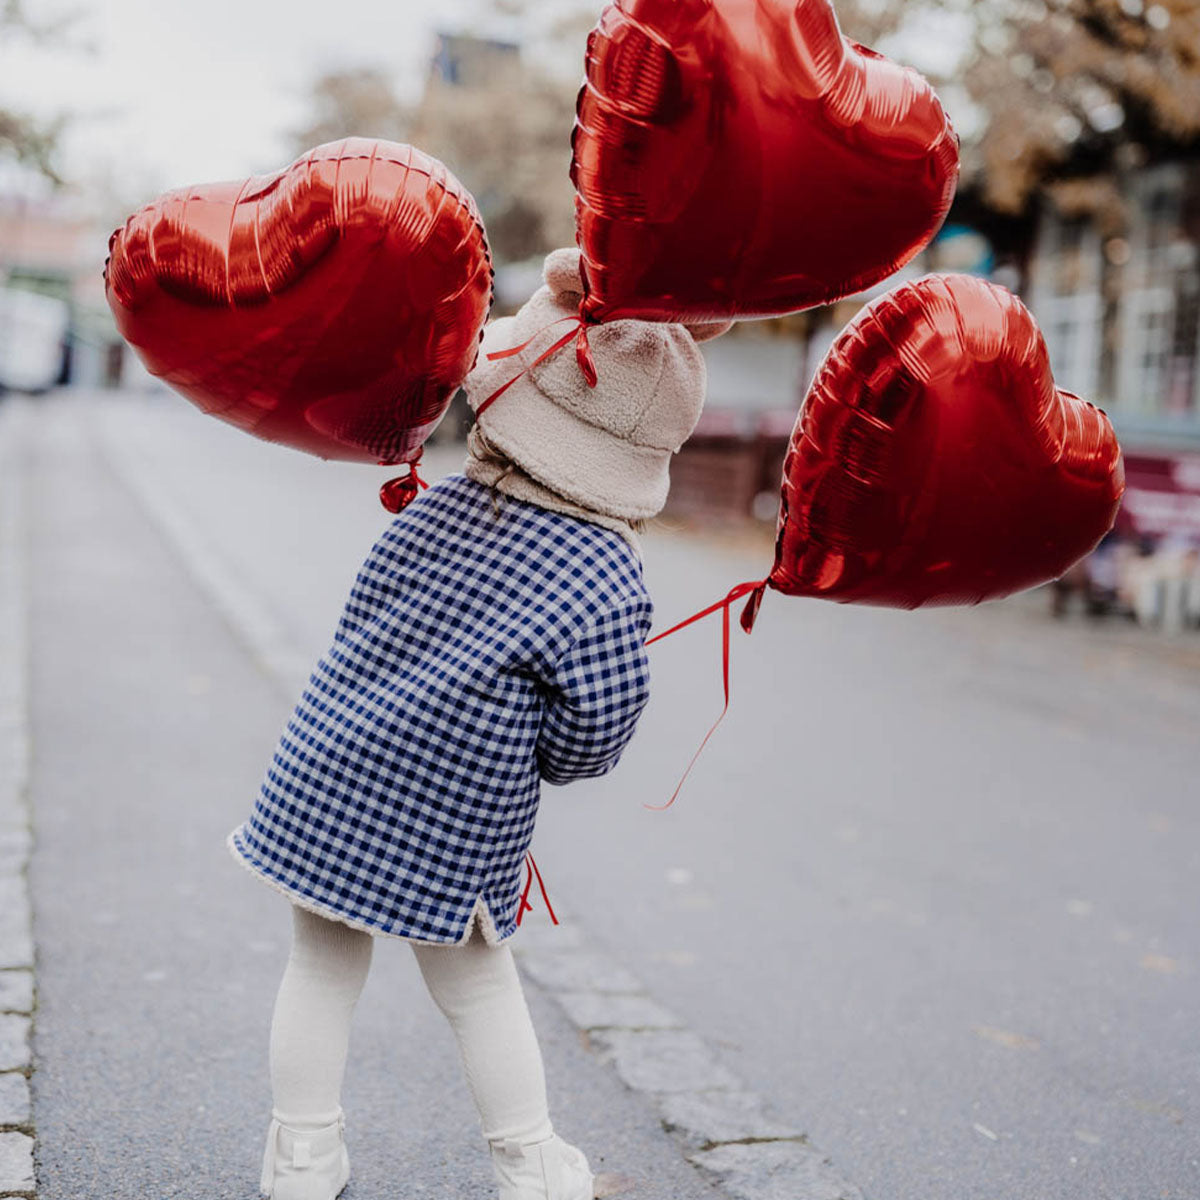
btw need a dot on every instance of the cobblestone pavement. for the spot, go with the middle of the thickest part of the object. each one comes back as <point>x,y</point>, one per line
<point>16,937</point>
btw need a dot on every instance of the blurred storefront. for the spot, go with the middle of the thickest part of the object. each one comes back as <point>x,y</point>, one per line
<point>729,470</point>
<point>1121,310</point>
<point>50,247</point>
<point>1116,289</point>
<point>1116,292</point>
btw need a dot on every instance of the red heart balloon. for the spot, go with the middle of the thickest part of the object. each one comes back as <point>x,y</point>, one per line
<point>334,306</point>
<point>741,158</point>
<point>935,462</point>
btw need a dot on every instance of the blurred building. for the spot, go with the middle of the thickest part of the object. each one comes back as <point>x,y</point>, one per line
<point>1121,312</point>
<point>42,245</point>
<point>469,60</point>
<point>1117,293</point>
<point>49,245</point>
<point>1121,315</point>
<point>732,465</point>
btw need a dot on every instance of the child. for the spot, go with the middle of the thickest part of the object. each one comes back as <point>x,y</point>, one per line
<point>493,639</point>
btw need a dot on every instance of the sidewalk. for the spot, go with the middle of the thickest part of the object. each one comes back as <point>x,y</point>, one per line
<point>16,944</point>
<point>158,958</point>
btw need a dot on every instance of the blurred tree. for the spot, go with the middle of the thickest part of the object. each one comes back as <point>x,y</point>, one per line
<point>872,21</point>
<point>1053,86</point>
<point>1038,89</point>
<point>500,114</point>
<point>498,118</point>
<point>348,103</point>
<point>1085,87</point>
<point>22,136</point>
<point>509,140</point>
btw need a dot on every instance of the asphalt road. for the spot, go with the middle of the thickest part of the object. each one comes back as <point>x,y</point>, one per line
<point>931,891</point>
<point>158,958</point>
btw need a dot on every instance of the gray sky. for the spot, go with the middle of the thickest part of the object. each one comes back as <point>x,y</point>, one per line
<point>183,91</point>
<point>173,92</point>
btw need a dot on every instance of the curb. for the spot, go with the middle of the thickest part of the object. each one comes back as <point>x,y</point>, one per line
<point>17,982</point>
<point>724,1129</point>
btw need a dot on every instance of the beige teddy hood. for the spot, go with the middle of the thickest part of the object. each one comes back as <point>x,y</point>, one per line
<point>605,450</point>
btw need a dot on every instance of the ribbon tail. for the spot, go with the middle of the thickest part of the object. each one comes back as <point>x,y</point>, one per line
<point>583,356</point>
<point>514,350</point>
<point>750,612</point>
<point>755,590</point>
<point>525,906</point>
<point>733,596</point>
<point>545,895</point>
<point>531,869</point>
<point>717,722</point>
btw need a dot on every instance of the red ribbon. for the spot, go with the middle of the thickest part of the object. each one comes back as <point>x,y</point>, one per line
<point>735,594</point>
<point>583,356</point>
<point>755,590</point>
<point>531,870</point>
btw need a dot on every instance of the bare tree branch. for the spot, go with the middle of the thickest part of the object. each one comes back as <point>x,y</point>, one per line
<point>358,103</point>
<point>22,136</point>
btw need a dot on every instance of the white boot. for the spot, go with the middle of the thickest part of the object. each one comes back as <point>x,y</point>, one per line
<point>305,1164</point>
<point>549,1170</point>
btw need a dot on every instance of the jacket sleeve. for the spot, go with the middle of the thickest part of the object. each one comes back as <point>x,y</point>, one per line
<point>596,696</point>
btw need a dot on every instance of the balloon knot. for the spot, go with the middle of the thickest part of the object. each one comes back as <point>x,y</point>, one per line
<point>583,356</point>
<point>750,612</point>
<point>397,494</point>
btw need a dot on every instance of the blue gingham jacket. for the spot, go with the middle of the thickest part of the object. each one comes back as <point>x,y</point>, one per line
<point>479,653</point>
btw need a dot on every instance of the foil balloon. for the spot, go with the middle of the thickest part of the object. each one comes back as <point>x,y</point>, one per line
<point>935,462</point>
<point>334,306</point>
<point>741,158</point>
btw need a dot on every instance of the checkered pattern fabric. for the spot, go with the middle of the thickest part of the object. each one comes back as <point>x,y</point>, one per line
<point>478,654</point>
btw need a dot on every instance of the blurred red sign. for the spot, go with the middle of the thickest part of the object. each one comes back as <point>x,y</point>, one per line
<point>1162,496</point>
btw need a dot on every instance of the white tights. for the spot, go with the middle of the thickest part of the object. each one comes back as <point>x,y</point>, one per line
<point>475,985</point>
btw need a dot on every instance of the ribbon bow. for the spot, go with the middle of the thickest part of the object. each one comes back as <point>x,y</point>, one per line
<point>583,355</point>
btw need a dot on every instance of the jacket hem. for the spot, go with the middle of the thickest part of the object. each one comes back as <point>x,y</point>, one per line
<point>480,913</point>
